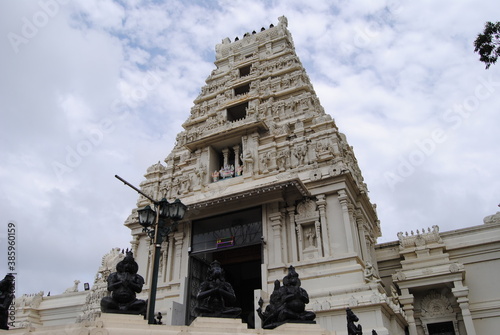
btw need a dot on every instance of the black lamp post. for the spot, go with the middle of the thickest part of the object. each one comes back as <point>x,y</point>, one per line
<point>158,224</point>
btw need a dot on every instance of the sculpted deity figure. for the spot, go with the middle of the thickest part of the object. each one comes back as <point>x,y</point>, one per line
<point>311,236</point>
<point>201,172</point>
<point>216,297</point>
<point>239,170</point>
<point>6,297</point>
<point>281,160</point>
<point>283,21</point>
<point>300,153</point>
<point>176,186</point>
<point>185,181</point>
<point>287,303</point>
<point>124,284</point>
<point>247,160</point>
<point>264,161</point>
<point>369,273</point>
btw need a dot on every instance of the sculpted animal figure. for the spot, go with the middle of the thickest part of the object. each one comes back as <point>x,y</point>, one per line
<point>352,329</point>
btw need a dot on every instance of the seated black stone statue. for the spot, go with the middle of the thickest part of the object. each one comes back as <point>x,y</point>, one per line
<point>123,285</point>
<point>352,329</point>
<point>287,303</point>
<point>216,297</point>
<point>6,297</point>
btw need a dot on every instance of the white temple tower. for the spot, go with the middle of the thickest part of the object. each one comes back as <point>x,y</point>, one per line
<point>269,182</point>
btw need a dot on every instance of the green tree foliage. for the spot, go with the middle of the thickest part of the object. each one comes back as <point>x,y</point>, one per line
<point>487,44</point>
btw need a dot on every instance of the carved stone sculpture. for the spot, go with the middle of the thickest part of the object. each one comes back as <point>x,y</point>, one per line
<point>124,284</point>
<point>352,329</point>
<point>216,297</point>
<point>287,303</point>
<point>73,288</point>
<point>6,297</point>
<point>247,162</point>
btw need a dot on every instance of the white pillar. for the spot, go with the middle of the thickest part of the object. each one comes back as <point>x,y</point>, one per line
<point>236,149</point>
<point>276,220</point>
<point>345,204</point>
<point>325,237</point>
<point>461,292</point>
<point>294,246</point>
<point>365,254</point>
<point>406,298</point>
<point>179,241</point>
<point>225,153</point>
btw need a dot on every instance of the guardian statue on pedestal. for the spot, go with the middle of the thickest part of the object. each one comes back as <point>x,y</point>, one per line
<point>287,303</point>
<point>6,297</point>
<point>216,297</point>
<point>124,284</point>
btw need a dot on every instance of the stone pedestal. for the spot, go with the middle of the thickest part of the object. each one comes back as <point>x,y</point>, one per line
<point>123,324</point>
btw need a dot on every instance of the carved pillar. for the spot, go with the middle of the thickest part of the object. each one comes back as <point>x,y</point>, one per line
<point>346,205</point>
<point>134,244</point>
<point>406,298</point>
<point>291,218</point>
<point>198,157</point>
<point>365,254</point>
<point>170,258</point>
<point>179,240</point>
<point>236,149</point>
<point>225,153</point>
<point>461,292</point>
<point>202,169</point>
<point>298,229</point>
<point>276,224</point>
<point>321,202</point>
<point>354,228</point>
<point>149,268</point>
<point>284,239</point>
<point>163,270</point>
<point>317,226</point>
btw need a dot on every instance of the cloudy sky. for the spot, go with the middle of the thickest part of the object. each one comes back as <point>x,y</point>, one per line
<point>94,88</point>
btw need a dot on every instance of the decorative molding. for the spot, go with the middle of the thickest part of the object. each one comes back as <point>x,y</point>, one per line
<point>435,305</point>
<point>420,239</point>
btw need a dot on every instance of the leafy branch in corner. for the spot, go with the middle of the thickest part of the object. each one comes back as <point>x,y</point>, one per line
<point>487,44</point>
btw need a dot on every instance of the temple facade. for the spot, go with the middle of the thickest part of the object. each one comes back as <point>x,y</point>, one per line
<point>270,182</point>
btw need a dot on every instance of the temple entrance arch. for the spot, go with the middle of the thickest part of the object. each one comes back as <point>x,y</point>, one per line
<point>233,239</point>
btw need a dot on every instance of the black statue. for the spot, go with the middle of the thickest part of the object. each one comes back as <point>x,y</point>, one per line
<point>352,329</point>
<point>287,303</point>
<point>216,297</point>
<point>123,285</point>
<point>6,297</point>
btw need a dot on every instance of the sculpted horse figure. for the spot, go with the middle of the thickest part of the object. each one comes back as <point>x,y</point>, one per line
<point>353,329</point>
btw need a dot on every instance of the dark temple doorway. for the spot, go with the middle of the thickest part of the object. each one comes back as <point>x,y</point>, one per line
<point>234,240</point>
<point>441,328</point>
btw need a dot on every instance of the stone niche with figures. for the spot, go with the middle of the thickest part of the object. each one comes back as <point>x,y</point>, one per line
<point>308,226</point>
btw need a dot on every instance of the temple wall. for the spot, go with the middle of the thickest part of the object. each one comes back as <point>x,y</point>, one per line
<point>477,249</point>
